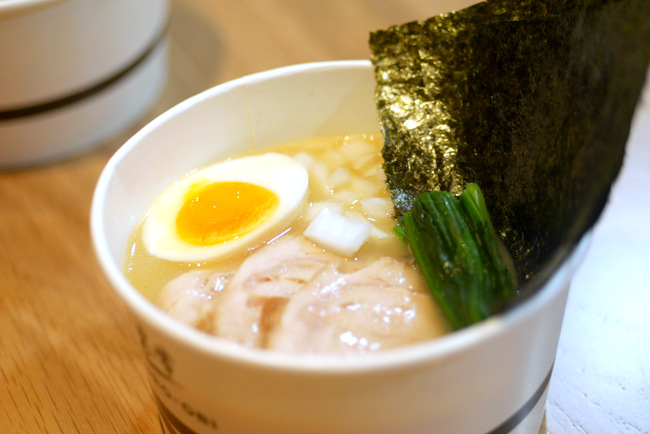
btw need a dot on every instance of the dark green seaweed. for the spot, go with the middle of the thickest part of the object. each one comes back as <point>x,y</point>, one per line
<point>531,99</point>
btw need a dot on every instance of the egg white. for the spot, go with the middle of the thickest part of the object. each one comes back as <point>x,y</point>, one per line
<point>281,174</point>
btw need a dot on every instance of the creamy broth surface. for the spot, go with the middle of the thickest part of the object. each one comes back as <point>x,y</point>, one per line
<point>291,293</point>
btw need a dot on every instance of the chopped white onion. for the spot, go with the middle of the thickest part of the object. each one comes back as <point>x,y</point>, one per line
<point>377,207</point>
<point>315,208</point>
<point>379,234</point>
<point>346,197</point>
<point>305,159</point>
<point>357,149</point>
<point>318,175</point>
<point>363,187</point>
<point>338,233</point>
<point>339,176</point>
<point>358,217</point>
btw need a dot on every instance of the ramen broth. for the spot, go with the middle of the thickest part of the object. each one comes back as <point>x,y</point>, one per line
<point>345,174</point>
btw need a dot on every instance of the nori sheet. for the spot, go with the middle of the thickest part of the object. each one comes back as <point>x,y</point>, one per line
<point>530,99</point>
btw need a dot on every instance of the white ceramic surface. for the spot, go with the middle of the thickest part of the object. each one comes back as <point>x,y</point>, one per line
<point>73,72</point>
<point>491,377</point>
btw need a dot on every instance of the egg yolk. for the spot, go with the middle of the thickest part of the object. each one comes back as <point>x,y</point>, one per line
<point>222,211</point>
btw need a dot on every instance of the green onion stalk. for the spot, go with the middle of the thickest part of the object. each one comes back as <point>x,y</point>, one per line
<point>458,254</point>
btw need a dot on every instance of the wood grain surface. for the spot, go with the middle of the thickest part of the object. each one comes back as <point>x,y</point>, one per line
<point>69,358</point>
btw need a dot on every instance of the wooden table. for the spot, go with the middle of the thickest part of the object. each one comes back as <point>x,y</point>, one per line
<point>69,359</point>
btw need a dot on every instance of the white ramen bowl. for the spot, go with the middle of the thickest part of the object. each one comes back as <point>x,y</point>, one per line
<point>74,72</point>
<point>490,377</point>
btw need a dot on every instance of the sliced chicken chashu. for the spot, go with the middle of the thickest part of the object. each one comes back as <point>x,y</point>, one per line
<point>293,296</point>
<point>383,305</point>
<point>257,293</point>
<point>188,297</point>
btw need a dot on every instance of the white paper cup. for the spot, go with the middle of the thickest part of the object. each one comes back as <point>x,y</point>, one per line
<point>490,377</point>
<point>74,72</point>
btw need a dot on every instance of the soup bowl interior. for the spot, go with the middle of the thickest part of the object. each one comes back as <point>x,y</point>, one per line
<point>490,376</point>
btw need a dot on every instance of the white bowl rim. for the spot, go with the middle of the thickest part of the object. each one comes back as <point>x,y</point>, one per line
<point>20,6</point>
<point>445,346</point>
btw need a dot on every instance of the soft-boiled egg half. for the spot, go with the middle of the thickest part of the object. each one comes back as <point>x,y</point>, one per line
<point>226,207</point>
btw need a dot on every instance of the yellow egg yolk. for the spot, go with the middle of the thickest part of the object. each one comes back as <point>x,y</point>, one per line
<point>222,211</point>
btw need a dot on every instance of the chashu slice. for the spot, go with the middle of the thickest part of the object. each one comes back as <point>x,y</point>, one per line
<point>189,296</point>
<point>258,291</point>
<point>383,305</point>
